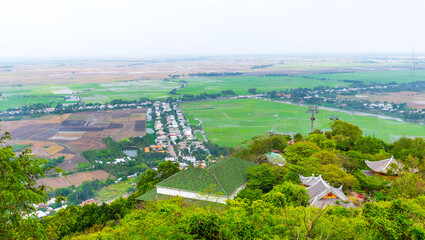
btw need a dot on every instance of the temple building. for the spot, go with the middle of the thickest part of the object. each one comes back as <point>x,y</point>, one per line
<point>217,183</point>
<point>322,194</point>
<point>381,168</point>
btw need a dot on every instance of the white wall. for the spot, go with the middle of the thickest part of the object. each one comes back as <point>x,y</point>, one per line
<point>196,195</point>
<point>190,194</point>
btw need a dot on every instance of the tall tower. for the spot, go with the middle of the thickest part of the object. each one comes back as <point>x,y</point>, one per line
<point>312,110</point>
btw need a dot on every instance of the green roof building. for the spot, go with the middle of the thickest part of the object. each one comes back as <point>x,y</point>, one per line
<point>216,184</point>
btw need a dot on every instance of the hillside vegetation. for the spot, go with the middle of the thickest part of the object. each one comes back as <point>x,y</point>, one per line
<point>274,205</point>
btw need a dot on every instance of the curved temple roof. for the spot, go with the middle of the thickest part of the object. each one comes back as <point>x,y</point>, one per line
<point>319,188</point>
<point>308,181</point>
<point>382,166</point>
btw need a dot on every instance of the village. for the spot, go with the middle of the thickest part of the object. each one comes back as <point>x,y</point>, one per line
<point>175,136</point>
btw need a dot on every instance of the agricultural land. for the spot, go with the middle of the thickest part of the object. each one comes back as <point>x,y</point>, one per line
<point>229,122</point>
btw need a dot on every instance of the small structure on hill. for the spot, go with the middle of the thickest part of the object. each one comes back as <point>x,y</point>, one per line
<point>381,168</point>
<point>275,158</point>
<point>217,183</point>
<point>322,194</point>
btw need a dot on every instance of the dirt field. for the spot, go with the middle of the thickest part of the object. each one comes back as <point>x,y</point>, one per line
<point>121,70</point>
<point>413,99</point>
<point>70,134</point>
<point>58,182</point>
<point>78,178</point>
<point>74,179</point>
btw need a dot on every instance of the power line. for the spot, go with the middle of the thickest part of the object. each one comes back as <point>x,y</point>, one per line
<point>312,110</point>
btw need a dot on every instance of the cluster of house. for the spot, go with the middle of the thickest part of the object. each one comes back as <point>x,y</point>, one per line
<point>46,209</point>
<point>115,161</point>
<point>381,106</point>
<point>173,130</point>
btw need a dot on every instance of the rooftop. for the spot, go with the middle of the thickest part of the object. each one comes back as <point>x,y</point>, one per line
<point>319,190</point>
<point>382,165</point>
<point>223,178</point>
<point>275,158</point>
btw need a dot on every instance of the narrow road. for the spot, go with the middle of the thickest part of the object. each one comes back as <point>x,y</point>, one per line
<point>171,149</point>
<point>203,134</point>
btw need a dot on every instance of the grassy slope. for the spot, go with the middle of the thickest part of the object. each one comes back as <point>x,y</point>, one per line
<point>240,85</point>
<point>230,122</point>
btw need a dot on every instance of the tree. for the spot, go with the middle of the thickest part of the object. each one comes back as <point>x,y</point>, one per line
<point>261,177</point>
<point>322,141</point>
<point>252,90</point>
<point>370,184</point>
<point>409,185</point>
<point>18,190</point>
<point>287,194</point>
<point>355,160</point>
<point>369,145</point>
<point>349,132</point>
<point>395,220</point>
<point>167,169</point>
<point>325,157</point>
<point>250,194</point>
<point>299,151</point>
<point>258,146</point>
<point>150,178</point>
<point>406,146</point>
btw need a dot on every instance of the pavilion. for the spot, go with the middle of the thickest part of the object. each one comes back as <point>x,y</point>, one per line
<point>381,168</point>
<point>322,194</point>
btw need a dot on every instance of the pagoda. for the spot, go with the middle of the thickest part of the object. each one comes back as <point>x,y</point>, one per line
<point>322,194</point>
<point>381,168</point>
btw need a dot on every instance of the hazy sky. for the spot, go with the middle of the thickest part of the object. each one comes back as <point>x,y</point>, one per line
<point>72,28</point>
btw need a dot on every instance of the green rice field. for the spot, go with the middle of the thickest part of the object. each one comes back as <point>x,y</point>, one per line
<point>240,85</point>
<point>229,122</point>
<point>400,76</point>
<point>129,90</point>
<point>17,96</point>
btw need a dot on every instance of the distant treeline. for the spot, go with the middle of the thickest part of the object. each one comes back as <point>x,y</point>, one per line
<point>261,66</point>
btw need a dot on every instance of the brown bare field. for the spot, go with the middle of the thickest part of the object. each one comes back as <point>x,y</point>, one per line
<point>70,134</point>
<point>412,99</point>
<point>54,183</point>
<point>78,178</point>
<point>122,70</point>
<point>74,179</point>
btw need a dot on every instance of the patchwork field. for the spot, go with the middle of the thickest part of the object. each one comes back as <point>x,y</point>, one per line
<point>69,134</point>
<point>14,96</point>
<point>73,179</point>
<point>399,76</point>
<point>131,79</point>
<point>229,122</point>
<point>240,85</point>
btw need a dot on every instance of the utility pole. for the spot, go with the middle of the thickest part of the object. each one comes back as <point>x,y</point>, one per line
<point>312,110</point>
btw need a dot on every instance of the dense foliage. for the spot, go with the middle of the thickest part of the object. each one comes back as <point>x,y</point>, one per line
<point>273,205</point>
